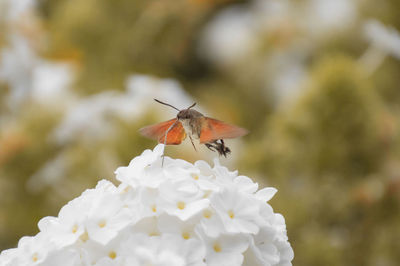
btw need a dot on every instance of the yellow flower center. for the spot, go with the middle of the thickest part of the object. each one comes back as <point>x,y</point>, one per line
<point>185,235</point>
<point>206,194</point>
<point>154,208</point>
<point>74,229</point>
<point>231,214</point>
<point>84,237</point>
<point>207,214</point>
<point>154,233</point>
<point>34,257</point>
<point>217,247</point>
<point>101,224</point>
<point>112,255</point>
<point>125,190</point>
<point>181,205</point>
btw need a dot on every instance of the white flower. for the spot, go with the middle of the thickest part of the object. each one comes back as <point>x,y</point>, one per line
<point>182,198</point>
<point>384,41</point>
<point>135,174</point>
<point>225,250</point>
<point>167,249</point>
<point>17,63</point>
<point>32,250</point>
<point>177,214</point>
<point>88,118</point>
<point>230,36</point>
<point>107,218</point>
<point>239,212</point>
<point>65,257</point>
<point>385,38</point>
<point>30,77</point>
<point>325,16</point>
<point>16,9</point>
<point>50,83</point>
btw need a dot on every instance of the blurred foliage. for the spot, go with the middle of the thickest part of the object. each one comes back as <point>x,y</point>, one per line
<point>329,154</point>
<point>336,127</point>
<point>112,39</point>
<point>332,151</point>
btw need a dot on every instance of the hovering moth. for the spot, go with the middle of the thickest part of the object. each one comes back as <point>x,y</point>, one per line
<point>189,122</point>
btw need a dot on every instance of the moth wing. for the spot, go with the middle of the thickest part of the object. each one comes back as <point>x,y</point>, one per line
<point>213,129</point>
<point>157,132</point>
<point>175,135</point>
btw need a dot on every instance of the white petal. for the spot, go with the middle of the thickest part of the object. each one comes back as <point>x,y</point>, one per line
<point>266,194</point>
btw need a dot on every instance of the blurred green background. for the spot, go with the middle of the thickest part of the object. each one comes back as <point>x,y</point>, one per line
<point>317,83</point>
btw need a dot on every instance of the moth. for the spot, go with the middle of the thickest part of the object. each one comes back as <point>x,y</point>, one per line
<point>189,122</point>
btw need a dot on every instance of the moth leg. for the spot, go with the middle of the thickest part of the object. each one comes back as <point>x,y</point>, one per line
<point>223,149</point>
<point>218,147</point>
<point>210,146</point>
<point>191,140</point>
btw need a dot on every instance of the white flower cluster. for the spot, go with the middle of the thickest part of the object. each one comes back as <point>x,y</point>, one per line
<point>175,214</point>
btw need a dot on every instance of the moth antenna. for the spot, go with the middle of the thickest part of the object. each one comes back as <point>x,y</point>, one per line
<point>191,106</point>
<point>167,104</point>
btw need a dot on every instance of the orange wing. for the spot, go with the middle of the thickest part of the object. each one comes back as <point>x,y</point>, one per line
<point>175,134</point>
<point>213,129</point>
